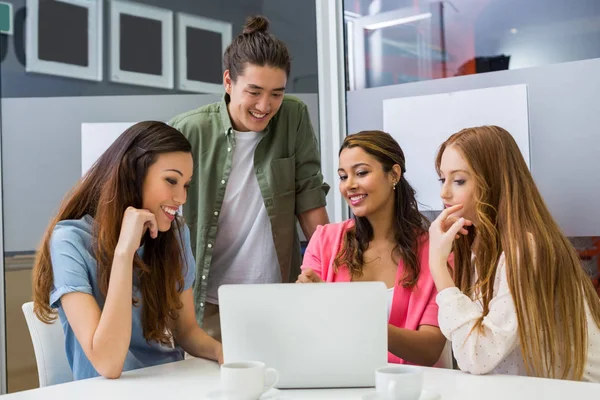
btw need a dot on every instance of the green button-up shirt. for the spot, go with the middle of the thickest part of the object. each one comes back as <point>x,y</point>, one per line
<point>288,169</point>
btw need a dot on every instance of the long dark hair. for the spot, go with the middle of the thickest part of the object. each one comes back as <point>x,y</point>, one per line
<point>112,184</point>
<point>256,46</point>
<point>410,226</point>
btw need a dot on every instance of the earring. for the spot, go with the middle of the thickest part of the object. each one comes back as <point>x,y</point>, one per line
<point>394,186</point>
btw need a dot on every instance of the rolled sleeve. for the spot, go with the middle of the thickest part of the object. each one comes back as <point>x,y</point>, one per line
<point>310,188</point>
<point>68,266</point>
<point>311,199</point>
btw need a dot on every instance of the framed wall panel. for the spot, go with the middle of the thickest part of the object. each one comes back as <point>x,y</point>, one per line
<point>201,43</point>
<point>72,50</point>
<point>141,44</point>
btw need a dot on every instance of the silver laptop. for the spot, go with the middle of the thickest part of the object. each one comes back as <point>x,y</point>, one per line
<point>315,335</point>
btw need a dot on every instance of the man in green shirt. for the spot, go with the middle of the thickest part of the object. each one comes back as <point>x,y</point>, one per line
<point>258,168</point>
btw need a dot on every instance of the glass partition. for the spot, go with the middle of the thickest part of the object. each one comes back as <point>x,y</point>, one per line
<point>393,42</point>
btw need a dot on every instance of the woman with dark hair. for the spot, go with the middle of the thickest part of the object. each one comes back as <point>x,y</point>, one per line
<point>116,264</point>
<point>386,241</point>
<point>258,158</point>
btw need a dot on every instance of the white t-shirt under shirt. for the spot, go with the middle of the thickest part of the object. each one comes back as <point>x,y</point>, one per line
<point>390,300</point>
<point>244,251</point>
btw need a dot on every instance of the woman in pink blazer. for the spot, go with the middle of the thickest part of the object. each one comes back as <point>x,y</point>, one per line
<point>386,241</point>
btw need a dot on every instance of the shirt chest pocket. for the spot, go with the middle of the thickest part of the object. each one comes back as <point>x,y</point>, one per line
<point>283,173</point>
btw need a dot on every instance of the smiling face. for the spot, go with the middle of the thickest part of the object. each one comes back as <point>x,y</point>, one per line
<point>458,183</point>
<point>165,186</point>
<point>255,96</point>
<point>367,188</point>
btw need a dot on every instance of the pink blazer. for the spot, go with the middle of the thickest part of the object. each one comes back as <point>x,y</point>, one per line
<point>410,307</point>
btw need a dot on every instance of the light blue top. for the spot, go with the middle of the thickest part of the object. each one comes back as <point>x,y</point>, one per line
<point>74,268</point>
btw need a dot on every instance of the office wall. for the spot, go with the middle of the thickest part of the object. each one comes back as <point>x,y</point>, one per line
<point>41,150</point>
<point>564,127</point>
<point>42,113</point>
<point>292,21</point>
<point>40,129</point>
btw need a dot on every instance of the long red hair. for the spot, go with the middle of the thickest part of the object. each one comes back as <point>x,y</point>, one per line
<point>546,280</point>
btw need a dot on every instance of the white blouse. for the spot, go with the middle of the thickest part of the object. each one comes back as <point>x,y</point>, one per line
<point>496,349</point>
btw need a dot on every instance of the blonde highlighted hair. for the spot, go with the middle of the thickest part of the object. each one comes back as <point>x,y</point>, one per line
<point>545,277</point>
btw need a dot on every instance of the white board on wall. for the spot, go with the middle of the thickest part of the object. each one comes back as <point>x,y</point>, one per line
<point>96,138</point>
<point>421,124</point>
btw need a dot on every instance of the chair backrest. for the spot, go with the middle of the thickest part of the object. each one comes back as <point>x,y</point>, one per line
<point>446,360</point>
<point>49,348</point>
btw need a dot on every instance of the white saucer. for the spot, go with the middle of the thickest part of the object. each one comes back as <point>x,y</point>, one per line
<point>273,394</point>
<point>425,395</point>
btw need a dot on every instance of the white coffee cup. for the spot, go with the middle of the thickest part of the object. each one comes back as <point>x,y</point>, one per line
<point>399,382</point>
<point>247,380</point>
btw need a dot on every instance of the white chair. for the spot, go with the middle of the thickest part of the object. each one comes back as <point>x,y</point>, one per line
<point>445,360</point>
<point>49,348</point>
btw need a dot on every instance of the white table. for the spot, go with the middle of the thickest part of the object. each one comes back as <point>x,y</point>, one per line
<point>193,379</point>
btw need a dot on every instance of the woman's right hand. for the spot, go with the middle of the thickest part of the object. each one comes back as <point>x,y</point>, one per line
<point>309,276</point>
<point>134,225</point>
<point>443,231</point>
